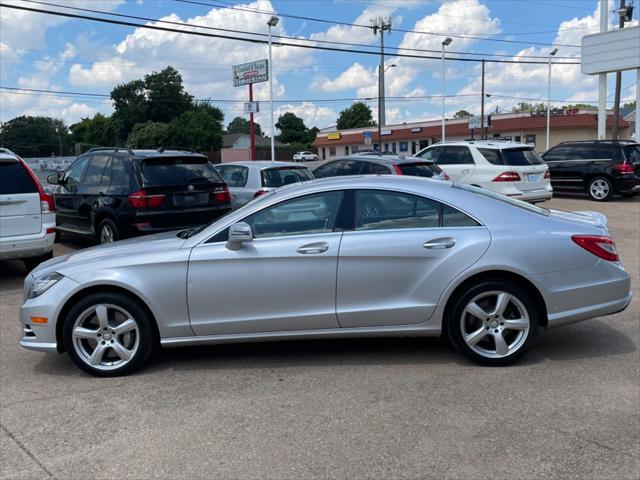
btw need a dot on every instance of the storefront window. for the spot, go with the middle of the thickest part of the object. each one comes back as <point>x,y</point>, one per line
<point>404,146</point>
<point>332,151</point>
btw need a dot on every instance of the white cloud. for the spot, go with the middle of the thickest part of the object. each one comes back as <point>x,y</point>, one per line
<point>356,76</point>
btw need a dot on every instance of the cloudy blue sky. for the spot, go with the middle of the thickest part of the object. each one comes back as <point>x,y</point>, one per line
<point>45,52</point>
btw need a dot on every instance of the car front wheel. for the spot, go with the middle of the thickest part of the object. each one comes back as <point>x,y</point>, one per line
<point>600,189</point>
<point>108,334</point>
<point>494,323</point>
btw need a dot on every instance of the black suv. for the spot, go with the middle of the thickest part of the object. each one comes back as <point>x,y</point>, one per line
<point>114,193</point>
<point>599,167</point>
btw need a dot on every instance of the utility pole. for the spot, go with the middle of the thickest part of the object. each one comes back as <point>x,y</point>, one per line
<point>616,102</point>
<point>602,77</point>
<point>482,130</point>
<point>381,25</point>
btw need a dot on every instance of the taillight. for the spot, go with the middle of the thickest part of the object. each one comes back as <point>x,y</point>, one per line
<point>547,174</point>
<point>507,177</point>
<point>262,191</point>
<point>141,199</point>
<point>222,195</point>
<point>397,169</point>
<point>624,168</point>
<point>47,203</point>
<point>603,247</point>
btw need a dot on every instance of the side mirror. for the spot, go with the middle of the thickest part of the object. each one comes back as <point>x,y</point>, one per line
<point>53,179</point>
<point>239,233</point>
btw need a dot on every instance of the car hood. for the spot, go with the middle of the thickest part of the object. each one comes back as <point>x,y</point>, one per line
<point>111,253</point>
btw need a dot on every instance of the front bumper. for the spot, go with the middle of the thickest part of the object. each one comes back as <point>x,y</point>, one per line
<point>38,336</point>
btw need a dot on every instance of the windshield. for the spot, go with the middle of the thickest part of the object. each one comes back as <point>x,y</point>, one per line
<point>504,198</point>
<point>422,169</point>
<point>277,177</point>
<point>632,152</point>
<point>521,156</point>
<point>178,170</point>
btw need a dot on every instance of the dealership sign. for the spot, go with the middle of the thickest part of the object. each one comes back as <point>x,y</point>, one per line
<point>252,72</point>
<point>611,51</point>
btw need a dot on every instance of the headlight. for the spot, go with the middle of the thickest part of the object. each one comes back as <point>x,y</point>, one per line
<point>42,284</point>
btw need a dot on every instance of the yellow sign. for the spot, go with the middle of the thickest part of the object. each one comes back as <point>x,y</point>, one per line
<point>334,136</point>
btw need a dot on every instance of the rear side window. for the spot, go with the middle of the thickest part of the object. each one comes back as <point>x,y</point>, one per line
<point>375,169</point>
<point>632,153</point>
<point>503,198</point>
<point>234,175</point>
<point>491,156</point>
<point>422,169</point>
<point>95,169</point>
<point>455,155</point>
<point>277,177</point>
<point>178,171</point>
<point>521,157</point>
<point>119,171</point>
<point>613,152</point>
<point>15,179</point>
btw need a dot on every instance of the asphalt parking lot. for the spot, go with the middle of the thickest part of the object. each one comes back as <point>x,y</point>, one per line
<point>375,408</point>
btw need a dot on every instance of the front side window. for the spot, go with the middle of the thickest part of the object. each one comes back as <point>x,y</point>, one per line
<point>328,169</point>
<point>306,215</point>
<point>384,210</point>
<point>234,175</point>
<point>558,154</point>
<point>73,176</point>
<point>431,154</point>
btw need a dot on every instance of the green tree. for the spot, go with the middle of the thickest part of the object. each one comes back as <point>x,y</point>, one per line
<point>578,105</point>
<point>149,135</point>
<point>97,131</point>
<point>200,129</point>
<point>130,105</point>
<point>294,131</point>
<point>166,96</point>
<point>630,105</point>
<point>36,136</point>
<point>242,125</point>
<point>530,107</point>
<point>462,114</point>
<point>357,115</point>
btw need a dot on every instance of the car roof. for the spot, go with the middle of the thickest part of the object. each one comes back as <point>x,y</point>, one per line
<point>264,164</point>
<point>144,153</point>
<point>6,156</point>
<point>490,144</point>
<point>384,158</point>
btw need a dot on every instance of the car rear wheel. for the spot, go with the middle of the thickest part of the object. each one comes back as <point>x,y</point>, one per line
<point>108,334</point>
<point>494,323</point>
<point>600,189</point>
<point>108,231</point>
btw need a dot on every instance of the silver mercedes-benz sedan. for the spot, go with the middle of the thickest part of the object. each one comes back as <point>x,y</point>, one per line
<point>336,257</point>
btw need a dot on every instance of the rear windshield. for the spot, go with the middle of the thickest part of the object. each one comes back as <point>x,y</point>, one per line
<point>503,198</point>
<point>521,157</point>
<point>178,171</point>
<point>15,179</point>
<point>420,169</point>
<point>277,177</point>
<point>632,152</point>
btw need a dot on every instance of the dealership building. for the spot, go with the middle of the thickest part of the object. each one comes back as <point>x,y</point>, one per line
<point>409,138</point>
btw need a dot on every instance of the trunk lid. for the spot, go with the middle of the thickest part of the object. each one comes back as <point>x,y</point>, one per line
<point>586,218</point>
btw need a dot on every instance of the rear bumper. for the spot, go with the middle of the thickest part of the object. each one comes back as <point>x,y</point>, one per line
<point>575,295</point>
<point>26,246</point>
<point>145,222</point>
<point>627,183</point>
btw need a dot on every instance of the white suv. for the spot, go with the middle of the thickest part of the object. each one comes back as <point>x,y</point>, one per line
<point>509,168</point>
<point>27,214</point>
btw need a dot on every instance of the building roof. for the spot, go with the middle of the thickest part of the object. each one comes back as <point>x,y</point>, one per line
<point>228,139</point>
<point>502,123</point>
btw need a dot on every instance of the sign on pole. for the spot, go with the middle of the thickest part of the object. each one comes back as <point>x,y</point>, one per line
<point>252,72</point>
<point>367,137</point>
<point>251,107</point>
<point>475,122</point>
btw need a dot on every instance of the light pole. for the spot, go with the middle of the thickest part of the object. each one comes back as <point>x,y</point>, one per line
<point>551,54</point>
<point>273,21</point>
<point>446,42</point>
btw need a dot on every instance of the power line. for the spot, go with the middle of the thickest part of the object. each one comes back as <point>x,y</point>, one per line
<point>260,41</point>
<point>260,34</point>
<point>346,24</point>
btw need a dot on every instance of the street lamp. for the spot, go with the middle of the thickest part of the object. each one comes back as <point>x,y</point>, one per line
<point>445,43</point>
<point>273,21</point>
<point>551,54</point>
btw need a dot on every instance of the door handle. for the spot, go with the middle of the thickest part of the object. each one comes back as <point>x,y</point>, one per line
<point>310,248</point>
<point>440,243</point>
<point>465,171</point>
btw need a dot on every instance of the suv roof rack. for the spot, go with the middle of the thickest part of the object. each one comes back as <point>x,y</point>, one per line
<point>598,141</point>
<point>181,149</point>
<point>115,149</point>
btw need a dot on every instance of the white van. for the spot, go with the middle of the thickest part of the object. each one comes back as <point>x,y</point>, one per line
<point>27,214</point>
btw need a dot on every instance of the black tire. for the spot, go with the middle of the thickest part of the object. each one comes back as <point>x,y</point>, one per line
<point>145,340</point>
<point>107,231</point>
<point>521,344</point>
<point>32,262</point>
<point>600,189</point>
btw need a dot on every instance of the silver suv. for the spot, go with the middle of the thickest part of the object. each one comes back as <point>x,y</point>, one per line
<point>27,214</point>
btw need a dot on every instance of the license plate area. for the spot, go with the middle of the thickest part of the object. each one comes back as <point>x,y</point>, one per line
<point>533,177</point>
<point>188,200</point>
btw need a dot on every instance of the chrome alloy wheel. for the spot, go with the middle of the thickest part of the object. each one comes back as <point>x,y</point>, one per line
<point>107,235</point>
<point>105,336</point>
<point>599,189</point>
<point>495,324</point>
